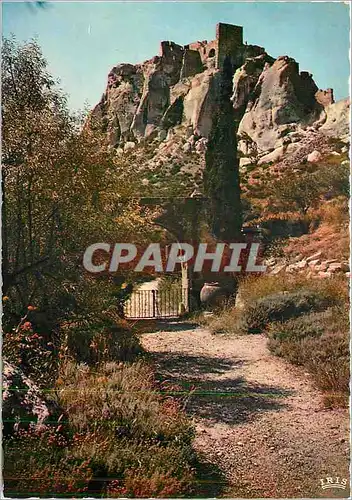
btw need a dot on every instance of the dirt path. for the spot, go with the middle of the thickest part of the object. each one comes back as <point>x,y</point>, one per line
<point>258,419</point>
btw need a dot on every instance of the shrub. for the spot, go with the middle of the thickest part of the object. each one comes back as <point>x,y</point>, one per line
<point>121,399</point>
<point>31,352</point>
<point>327,358</point>
<point>285,337</point>
<point>320,343</point>
<point>225,321</point>
<point>334,212</point>
<point>39,462</point>
<point>255,287</point>
<point>118,436</point>
<point>104,338</point>
<point>280,307</point>
<point>335,289</point>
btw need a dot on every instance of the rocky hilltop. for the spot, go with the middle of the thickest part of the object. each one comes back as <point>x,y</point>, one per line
<point>172,97</point>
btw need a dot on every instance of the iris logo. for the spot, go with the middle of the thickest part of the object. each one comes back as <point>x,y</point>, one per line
<point>333,482</point>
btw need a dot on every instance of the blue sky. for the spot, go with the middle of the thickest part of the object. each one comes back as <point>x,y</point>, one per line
<point>83,40</point>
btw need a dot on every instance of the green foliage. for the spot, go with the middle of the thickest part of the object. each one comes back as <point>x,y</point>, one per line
<point>327,358</point>
<point>122,399</point>
<point>40,462</point>
<point>297,188</point>
<point>62,191</point>
<point>118,435</point>
<point>284,336</point>
<point>36,355</point>
<point>334,290</point>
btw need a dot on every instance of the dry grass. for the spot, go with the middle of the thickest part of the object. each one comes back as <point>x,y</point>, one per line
<point>253,288</point>
<point>332,242</point>
<point>333,291</point>
<point>225,321</point>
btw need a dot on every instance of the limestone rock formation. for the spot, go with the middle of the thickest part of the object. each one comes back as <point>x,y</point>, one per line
<point>281,98</point>
<point>276,105</point>
<point>23,403</point>
<point>337,122</point>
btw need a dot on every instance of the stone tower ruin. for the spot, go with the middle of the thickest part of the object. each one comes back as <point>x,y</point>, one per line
<point>228,43</point>
<point>229,40</point>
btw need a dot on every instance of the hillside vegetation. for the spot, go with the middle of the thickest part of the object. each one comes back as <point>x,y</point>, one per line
<point>83,414</point>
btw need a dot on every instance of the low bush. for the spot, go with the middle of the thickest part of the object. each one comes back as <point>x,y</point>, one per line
<point>118,436</point>
<point>329,360</point>
<point>105,338</point>
<point>225,321</point>
<point>280,307</point>
<point>266,298</point>
<point>320,343</point>
<point>334,289</point>
<point>39,462</point>
<point>285,338</point>
<point>121,399</point>
<point>32,352</point>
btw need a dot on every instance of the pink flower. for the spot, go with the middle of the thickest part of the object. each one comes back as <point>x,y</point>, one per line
<point>27,325</point>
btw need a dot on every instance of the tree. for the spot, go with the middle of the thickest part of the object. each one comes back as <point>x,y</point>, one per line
<point>61,191</point>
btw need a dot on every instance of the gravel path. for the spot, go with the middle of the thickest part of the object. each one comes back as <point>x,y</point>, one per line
<point>259,421</point>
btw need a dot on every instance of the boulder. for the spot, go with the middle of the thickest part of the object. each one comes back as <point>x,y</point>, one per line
<point>323,274</point>
<point>314,256</point>
<point>313,263</point>
<point>199,103</point>
<point>278,269</point>
<point>245,161</point>
<point>314,156</point>
<point>128,146</point>
<point>23,403</point>
<point>272,157</point>
<point>338,267</point>
<point>280,113</point>
<point>201,145</point>
<point>187,148</point>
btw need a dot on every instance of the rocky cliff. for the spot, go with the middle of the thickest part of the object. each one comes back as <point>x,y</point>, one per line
<point>171,99</point>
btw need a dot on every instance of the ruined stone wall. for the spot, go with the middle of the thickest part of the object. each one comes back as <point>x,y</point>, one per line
<point>172,57</point>
<point>206,49</point>
<point>191,64</point>
<point>228,42</point>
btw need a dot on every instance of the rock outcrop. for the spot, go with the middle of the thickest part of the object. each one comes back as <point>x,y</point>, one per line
<point>23,403</point>
<point>337,120</point>
<point>276,105</point>
<point>281,98</point>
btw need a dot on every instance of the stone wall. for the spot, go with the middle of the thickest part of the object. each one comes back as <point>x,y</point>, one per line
<point>313,266</point>
<point>191,64</point>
